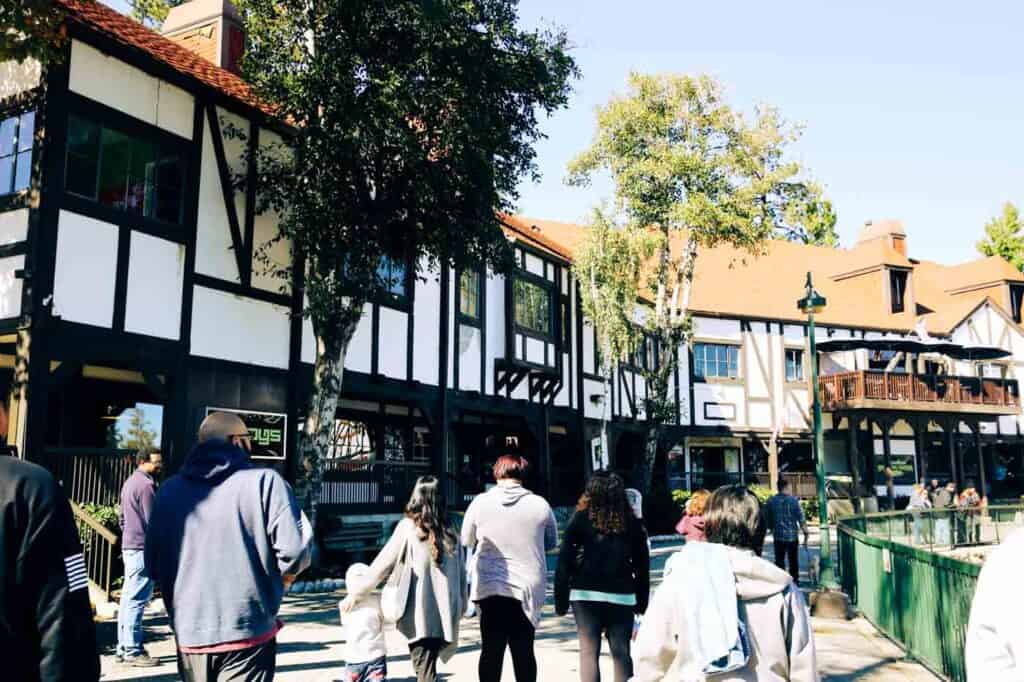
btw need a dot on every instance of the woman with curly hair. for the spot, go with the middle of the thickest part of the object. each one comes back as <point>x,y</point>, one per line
<point>437,593</point>
<point>604,571</point>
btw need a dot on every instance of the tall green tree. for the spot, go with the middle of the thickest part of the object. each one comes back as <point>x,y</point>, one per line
<point>152,12</point>
<point>693,171</point>
<point>608,264</point>
<point>1004,236</point>
<point>30,29</point>
<point>414,122</point>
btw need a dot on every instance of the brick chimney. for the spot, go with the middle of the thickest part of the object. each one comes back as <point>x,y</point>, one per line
<point>211,28</point>
<point>890,231</point>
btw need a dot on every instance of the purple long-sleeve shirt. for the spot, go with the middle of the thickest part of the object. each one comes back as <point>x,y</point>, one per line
<point>137,495</point>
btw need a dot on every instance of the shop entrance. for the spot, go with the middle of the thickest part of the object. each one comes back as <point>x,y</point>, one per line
<point>476,443</point>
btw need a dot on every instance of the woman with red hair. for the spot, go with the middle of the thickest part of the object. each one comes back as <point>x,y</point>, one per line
<point>512,529</point>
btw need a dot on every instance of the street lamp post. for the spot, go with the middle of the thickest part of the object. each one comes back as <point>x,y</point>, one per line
<point>811,303</point>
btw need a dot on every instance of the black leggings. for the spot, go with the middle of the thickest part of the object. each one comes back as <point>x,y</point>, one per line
<point>593,618</point>
<point>503,623</point>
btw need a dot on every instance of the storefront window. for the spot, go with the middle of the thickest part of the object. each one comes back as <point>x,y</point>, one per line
<point>353,446</point>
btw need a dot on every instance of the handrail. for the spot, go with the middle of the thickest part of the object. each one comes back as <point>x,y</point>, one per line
<point>933,388</point>
<point>98,547</point>
<point>97,527</point>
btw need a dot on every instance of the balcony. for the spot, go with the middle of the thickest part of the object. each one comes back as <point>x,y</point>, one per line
<point>872,389</point>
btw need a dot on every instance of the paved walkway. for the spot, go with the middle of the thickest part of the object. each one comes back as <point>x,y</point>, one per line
<point>310,646</point>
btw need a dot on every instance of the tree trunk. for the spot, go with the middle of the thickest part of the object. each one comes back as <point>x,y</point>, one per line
<point>318,428</point>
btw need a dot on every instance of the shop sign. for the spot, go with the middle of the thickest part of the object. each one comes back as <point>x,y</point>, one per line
<point>268,431</point>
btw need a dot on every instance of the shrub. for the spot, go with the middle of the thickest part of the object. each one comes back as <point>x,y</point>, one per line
<point>107,515</point>
<point>810,508</point>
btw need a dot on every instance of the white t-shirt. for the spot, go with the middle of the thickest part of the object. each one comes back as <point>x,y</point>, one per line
<point>363,630</point>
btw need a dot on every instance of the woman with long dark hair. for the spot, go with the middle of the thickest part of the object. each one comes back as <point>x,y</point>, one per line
<point>437,590</point>
<point>604,571</point>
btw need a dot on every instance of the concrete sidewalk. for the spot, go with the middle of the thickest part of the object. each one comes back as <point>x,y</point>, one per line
<point>310,646</point>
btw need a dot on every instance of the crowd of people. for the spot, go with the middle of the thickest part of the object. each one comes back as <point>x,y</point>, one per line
<point>721,611</point>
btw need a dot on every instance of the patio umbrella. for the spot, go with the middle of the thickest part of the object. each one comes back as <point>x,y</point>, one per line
<point>978,353</point>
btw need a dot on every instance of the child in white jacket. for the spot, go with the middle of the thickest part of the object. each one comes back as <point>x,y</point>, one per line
<point>363,630</point>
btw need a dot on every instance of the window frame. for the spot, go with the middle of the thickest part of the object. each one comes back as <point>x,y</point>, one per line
<point>390,299</point>
<point>548,288</point>
<point>1016,293</point>
<point>470,320</point>
<point>16,113</point>
<point>898,294</point>
<point>717,378</point>
<point>184,148</point>
<point>802,355</point>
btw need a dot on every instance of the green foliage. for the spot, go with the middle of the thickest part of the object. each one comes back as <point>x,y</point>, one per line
<point>1003,237</point>
<point>811,509</point>
<point>608,264</point>
<point>152,12</point>
<point>762,493</point>
<point>32,29</point>
<point>138,435</point>
<point>107,515</point>
<point>411,124</point>
<point>695,173</point>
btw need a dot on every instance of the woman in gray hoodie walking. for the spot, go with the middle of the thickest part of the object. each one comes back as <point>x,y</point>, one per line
<point>437,591</point>
<point>511,529</point>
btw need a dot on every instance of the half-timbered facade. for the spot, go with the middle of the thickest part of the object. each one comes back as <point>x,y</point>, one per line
<point>134,299</point>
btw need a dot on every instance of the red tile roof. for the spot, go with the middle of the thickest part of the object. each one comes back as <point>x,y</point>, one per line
<point>130,33</point>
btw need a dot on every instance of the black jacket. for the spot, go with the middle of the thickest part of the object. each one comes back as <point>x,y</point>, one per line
<point>589,560</point>
<point>46,626</point>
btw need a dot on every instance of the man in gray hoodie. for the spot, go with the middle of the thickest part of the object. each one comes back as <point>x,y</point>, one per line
<point>224,540</point>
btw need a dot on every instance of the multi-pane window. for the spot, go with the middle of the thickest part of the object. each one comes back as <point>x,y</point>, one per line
<point>469,295</point>
<point>124,172</point>
<point>532,306</point>
<point>392,275</point>
<point>17,134</point>
<point>716,360</point>
<point>794,364</point>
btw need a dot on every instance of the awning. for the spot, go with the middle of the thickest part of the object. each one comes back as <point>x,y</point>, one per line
<point>918,346</point>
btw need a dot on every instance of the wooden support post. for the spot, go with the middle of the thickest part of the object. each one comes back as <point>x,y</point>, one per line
<point>920,427</point>
<point>887,455</point>
<point>950,429</point>
<point>853,456</point>
<point>982,483</point>
<point>773,463</point>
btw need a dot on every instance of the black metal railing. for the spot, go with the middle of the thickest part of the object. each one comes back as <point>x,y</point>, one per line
<point>99,547</point>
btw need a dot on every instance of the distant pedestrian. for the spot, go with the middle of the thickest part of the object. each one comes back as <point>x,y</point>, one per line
<point>46,626</point>
<point>362,627</point>
<point>137,495</point>
<point>225,538</point>
<point>691,526</point>
<point>723,613</point>
<point>995,638</point>
<point>918,503</point>
<point>969,504</point>
<point>604,571</point>
<point>511,529</point>
<point>944,503</point>
<point>424,543</point>
<point>785,519</point>
<point>933,490</point>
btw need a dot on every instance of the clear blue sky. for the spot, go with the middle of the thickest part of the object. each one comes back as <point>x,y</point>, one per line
<point>912,109</point>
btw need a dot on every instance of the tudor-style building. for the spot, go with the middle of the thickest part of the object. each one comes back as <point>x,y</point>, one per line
<point>133,303</point>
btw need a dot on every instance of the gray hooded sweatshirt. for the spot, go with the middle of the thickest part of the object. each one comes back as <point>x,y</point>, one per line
<point>773,608</point>
<point>511,529</point>
<point>221,536</point>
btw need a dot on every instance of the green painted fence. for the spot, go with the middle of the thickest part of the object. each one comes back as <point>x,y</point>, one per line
<point>916,596</point>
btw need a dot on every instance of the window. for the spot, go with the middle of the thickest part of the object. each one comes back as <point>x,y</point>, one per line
<point>17,136</point>
<point>715,360</point>
<point>898,290</point>
<point>566,324</point>
<point>392,276</point>
<point>469,295</point>
<point>532,307</point>
<point>1016,300</point>
<point>124,172</point>
<point>794,364</point>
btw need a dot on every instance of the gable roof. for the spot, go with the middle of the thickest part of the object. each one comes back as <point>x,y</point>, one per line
<point>729,282</point>
<point>94,15</point>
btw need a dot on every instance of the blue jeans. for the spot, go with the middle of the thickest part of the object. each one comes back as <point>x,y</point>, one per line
<point>135,594</point>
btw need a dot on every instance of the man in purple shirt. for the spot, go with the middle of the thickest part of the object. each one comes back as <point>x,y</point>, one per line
<point>137,497</point>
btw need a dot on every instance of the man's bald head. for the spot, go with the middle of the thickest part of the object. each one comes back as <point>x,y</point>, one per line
<point>221,426</point>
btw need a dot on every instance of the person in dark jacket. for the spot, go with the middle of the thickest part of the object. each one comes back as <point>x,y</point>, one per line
<point>137,495</point>
<point>224,540</point>
<point>604,571</point>
<point>46,626</point>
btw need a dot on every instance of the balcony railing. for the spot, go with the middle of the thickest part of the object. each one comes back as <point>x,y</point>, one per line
<point>872,388</point>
